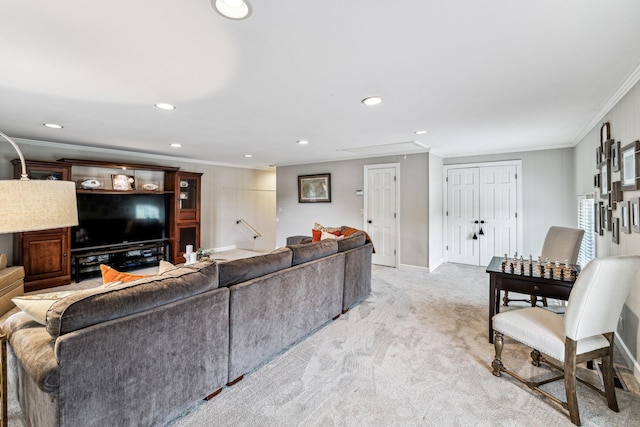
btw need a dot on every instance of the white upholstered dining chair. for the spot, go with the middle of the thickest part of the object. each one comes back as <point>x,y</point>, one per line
<point>584,333</point>
<point>560,243</point>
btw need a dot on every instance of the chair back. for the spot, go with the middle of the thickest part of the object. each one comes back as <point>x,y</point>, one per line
<point>598,294</point>
<point>562,243</point>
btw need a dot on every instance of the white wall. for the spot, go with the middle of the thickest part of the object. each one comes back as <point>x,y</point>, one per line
<point>549,196</point>
<point>346,207</point>
<point>624,119</point>
<point>228,193</point>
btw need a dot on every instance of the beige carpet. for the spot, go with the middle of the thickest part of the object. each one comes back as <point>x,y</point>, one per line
<point>414,353</point>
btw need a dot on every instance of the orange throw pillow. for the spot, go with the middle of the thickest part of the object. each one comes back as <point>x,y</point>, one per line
<point>316,235</point>
<point>111,275</point>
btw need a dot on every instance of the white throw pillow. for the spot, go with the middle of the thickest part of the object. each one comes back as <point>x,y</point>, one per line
<point>165,266</point>
<point>326,235</point>
<point>37,305</point>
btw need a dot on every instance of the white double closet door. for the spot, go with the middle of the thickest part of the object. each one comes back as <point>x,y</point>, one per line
<point>481,215</point>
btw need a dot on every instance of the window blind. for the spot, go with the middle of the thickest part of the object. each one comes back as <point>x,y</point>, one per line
<point>586,220</point>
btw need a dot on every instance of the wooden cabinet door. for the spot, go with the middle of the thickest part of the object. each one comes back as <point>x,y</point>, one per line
<point>45,256</point>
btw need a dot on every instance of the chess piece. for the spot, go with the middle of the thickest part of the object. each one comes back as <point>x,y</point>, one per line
<point>548,270</point>
<point>567,272</point>
<point>557,271</point>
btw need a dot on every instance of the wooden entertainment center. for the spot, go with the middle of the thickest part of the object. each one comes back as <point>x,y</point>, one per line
<point>51,257</point>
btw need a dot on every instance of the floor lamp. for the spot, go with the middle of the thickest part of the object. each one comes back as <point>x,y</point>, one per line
<point>27,205</point>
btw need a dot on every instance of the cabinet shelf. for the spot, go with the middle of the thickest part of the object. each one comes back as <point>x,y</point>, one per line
<point>86,262</point>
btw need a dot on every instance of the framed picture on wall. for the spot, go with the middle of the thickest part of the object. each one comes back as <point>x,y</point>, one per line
<point>630,166</point>
<point>597,223</point>
<point>625,217</point>
<point>634,212</point>
<point>615,156</point>
<point>615,230</point>
<point>314,188</point>
<point>605,177</point>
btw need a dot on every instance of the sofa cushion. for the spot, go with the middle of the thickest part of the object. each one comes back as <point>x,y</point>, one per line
<point>97,305</point>
<point>305,252</point>
<point>241,270</point>
<point>353,241</point>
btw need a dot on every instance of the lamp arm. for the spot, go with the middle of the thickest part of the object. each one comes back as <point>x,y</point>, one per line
<point>23,175</point>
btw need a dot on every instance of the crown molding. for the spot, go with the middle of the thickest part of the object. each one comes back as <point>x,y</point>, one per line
<point>626,86</point>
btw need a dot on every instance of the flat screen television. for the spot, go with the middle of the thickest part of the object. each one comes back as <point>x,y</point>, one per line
<point>116,219</point>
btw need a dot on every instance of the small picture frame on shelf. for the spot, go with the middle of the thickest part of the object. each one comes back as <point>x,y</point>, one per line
<point>122,182</point>
<point>634,213</point>
<point>625,217</point>
<point>630,166</point>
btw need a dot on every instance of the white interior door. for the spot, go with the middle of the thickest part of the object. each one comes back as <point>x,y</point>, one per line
<point>498,212</point>
<point>381,212</point>
<point>481,213</point>
<point>462,211</point>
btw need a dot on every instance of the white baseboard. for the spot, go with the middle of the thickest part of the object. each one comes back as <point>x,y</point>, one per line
<point>628,357</point>
<point>409,267</point>
<point>436,264</point>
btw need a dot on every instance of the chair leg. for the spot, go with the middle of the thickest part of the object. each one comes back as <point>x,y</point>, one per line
<point>498,343</point>
<point>607,376</point>
<point>536,358</point>
<point>570,380</point>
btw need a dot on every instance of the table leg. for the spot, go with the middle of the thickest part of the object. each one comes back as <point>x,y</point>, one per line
<point>494,302</point>
<point>3,361</point>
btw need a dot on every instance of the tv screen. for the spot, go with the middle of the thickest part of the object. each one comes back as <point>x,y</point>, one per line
<point>113,219</point>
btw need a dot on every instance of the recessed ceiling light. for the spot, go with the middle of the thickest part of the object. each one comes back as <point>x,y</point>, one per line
<point>372,100</point>
<point>53,126</point>
<point>165,106</point>
<point>303,142</point>
<point>232,9</point>
<point>248,155</point>
<point>175,145</point>
<point>420,132</point>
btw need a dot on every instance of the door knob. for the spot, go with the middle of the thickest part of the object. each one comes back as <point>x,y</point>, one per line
<point>370,222</point>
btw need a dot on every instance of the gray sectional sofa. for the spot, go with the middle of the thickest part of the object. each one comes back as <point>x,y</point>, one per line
<point>141,353</point>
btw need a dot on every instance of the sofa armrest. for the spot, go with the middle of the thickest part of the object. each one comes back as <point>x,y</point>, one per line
<point>11,285</point>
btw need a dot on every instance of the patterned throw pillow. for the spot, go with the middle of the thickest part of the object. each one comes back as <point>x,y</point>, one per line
<point>37,305</point>
<point>318,229</point>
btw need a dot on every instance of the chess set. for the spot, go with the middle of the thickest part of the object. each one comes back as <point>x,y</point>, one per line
<point>544,269</point>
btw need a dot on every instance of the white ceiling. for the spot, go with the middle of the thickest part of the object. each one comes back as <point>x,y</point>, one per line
<point>481,76</point>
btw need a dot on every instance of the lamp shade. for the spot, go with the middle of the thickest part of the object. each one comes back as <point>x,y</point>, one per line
<point>27,205</point>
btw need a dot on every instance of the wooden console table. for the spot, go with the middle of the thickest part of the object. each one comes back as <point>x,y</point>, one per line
<point>527,284</point>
